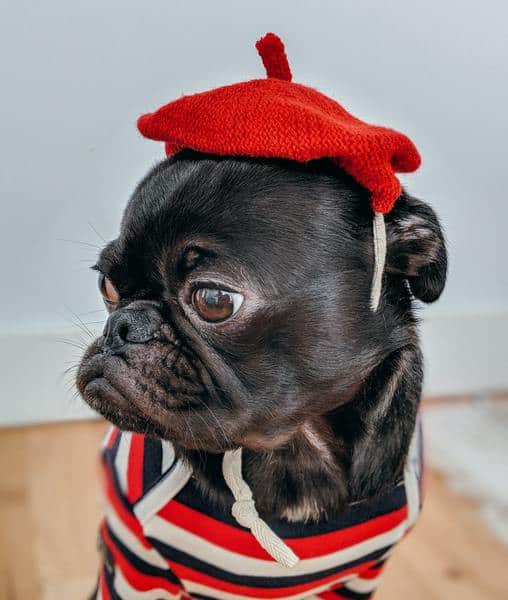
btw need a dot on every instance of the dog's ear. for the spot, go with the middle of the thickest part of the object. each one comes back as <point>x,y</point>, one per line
<point>416,249</point>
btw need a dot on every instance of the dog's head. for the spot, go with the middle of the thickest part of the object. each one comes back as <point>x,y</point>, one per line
<point>239,292</point>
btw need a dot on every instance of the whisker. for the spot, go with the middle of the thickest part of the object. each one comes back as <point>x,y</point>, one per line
<point>89,312</point>
<point>83,326</point>
<point>81,329</point>
<point>200,454</point>
<point>73,398</point>
<point>96,232</point>
<point>72,343</point>
<point>88,244</point>
<point>207,425</point>
<point>69,370</point>
<point>221,427</point>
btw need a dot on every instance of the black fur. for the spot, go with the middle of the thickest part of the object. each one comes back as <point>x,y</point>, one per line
<point>320,391</point>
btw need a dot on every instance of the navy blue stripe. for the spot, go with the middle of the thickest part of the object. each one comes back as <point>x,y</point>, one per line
<point>139,564</point>
<point>109,578</point>
<point>345,593</point>
<point>152,463</point>
<point>172,554</point>
<point>109,454</point>
<point>380,563</point>
<point>355,514</point>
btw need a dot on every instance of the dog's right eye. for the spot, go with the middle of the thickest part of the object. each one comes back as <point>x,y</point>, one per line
<point>108,290</point>
<point>215,305</point>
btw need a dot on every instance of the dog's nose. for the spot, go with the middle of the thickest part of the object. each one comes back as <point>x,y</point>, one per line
<point>135,324</point>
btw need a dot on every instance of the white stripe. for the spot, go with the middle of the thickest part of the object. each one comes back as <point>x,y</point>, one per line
<point>107,437</point>
<point>122,459</point>
<point>198,588</point>
<point>168,456</point>
<point>126,591</point>
<point>363,586</point>
<point>99,592</point>
<point>240,564</point>
<point>150,556</point>
<point>411,481</point>
<point>164,491</point>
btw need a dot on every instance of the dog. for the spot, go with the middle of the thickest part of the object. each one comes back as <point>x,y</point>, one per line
<point>238,292</point>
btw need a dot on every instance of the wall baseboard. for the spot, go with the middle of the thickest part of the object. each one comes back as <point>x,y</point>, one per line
<point>34,385</point>
<point>464,354</point>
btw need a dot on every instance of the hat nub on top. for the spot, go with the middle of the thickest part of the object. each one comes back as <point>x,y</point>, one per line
<point>272,52</point>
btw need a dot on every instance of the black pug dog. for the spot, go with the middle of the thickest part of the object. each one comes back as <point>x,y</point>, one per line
<point>238,292</point>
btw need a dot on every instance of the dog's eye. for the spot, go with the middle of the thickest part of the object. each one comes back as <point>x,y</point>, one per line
<point>108,290</point>
<point>216,305</point>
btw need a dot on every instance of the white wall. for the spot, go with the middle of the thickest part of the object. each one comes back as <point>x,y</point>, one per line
<point>75,76</point>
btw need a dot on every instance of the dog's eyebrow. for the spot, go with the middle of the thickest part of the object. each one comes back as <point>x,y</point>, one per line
<point>187,255</point>
<point>190,258</point>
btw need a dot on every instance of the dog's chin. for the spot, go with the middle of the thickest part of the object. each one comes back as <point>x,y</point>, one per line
<point>103,398</point>
<point>154,390</point>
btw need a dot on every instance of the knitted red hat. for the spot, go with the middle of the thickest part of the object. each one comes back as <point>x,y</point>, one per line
<point>276,118</point>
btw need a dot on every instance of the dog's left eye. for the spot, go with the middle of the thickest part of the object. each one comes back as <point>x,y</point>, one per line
<point>216,305</point>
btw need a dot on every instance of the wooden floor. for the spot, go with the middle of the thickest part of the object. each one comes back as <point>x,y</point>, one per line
<point>49,510</point>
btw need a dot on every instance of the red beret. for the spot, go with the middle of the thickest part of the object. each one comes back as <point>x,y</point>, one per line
<point>276,118</point>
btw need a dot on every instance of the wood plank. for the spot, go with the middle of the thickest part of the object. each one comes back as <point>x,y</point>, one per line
<point>450,554</point>
<point>63,472</point>
<point>18,566</point>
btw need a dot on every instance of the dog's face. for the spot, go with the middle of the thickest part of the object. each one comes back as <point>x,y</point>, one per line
<point>238,294</point>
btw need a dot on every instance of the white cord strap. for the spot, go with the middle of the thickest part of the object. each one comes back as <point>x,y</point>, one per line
<point>245,513</point>
<point>379,232</point>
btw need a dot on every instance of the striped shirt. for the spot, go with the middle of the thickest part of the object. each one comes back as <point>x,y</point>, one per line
<point>162,539</point>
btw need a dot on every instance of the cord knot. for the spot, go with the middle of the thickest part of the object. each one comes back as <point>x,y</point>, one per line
<point>245,513</point>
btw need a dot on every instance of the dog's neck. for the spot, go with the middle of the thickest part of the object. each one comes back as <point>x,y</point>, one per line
<point>332,460</point>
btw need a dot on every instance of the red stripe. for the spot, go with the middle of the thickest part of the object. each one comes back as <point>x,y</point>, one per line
<point>372,572</point>
<point>187,574</point>
<point>104,586</point>
<point>135,468</point>
<point>138,580</point>
<point>122,512</point>
<point>112,437</point>
<point>243,542</point>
